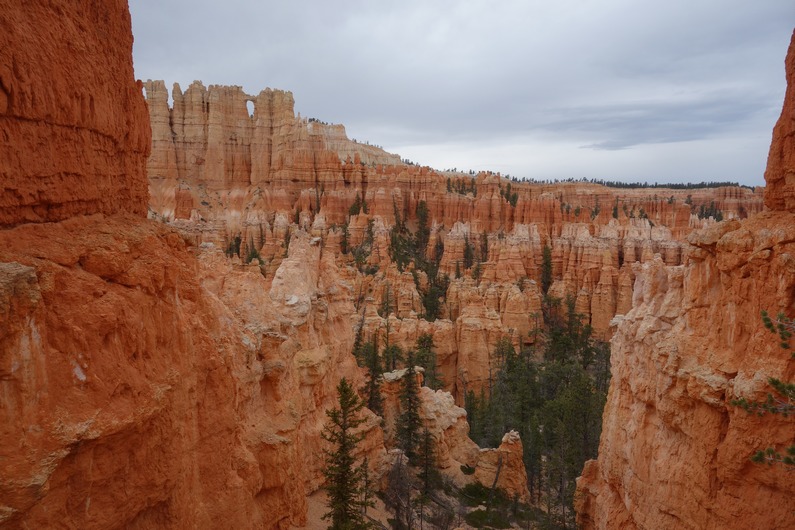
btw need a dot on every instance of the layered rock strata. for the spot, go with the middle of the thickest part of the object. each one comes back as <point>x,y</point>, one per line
<point>74,130</point>
<point>674,452</point>
<point>144,383</point>
<point>220,170</point>
<point>147,388</point>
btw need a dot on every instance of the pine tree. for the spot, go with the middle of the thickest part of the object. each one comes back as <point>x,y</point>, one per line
<point>426,461</point>
<point>469,254</point>
<point>783,402</point>
<point>426,357</point>
<point>392,355</point>
<point>397,496</point>
<point>546,269</point>
<point>374,370</point>
<point>343,479</point>
<point>357,341</point>
<point>409,422</point>
<point>423,229</point>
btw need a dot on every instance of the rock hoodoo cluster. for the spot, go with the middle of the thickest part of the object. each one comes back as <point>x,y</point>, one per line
<point>222,173</point>
<point>674,453</point>
<point>140,385</point>
<point>177,374</point>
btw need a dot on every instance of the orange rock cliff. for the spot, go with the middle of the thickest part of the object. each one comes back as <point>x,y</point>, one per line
<point>674,454</point>
<point>147,382</point>
<point>140,386</point>
<point>82,104</point>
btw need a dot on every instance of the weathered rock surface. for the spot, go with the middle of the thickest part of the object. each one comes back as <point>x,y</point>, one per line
<point>218,171</point>
<point>780,173</point>
<point>674,453</point>
<point>73,131</point>
<point>144,383</point>
<point>147,388</point>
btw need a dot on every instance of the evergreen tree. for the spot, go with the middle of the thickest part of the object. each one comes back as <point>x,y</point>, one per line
<point>423,229</point>
<point>783,402</point>
<point>438,250</point>
<point>484,247</point>
<point>398,495</point>
<point>386,302</point>
<point>356,207</point>
<point>426,461</point>
<point>374,370</point>
<point>344,240</point>
<point>469,254</point>
<point>343,479</point>
<point>409,422</point>
<point>546,269</point>
<point>357,341</point>
<point>392,355</point>
<point>426,357</point>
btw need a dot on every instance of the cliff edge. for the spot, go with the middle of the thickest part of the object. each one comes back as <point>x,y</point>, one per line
<point>674,453</point>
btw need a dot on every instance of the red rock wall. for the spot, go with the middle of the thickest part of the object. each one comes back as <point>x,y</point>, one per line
<point>674,453</point>
<point>74,136</point>
<point>780,173</point>
<point>142,386</point>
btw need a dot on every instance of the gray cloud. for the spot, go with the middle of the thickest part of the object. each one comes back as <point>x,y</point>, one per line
<point>611,76</point>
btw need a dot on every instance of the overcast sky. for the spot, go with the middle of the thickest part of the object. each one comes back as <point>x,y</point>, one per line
<point>654,90</point>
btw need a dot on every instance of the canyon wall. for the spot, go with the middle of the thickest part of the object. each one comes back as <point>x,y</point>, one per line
<point>674,452</point>
<point>227,166</point>
<point>74,137</point>
<point>144,383</point>
<point>147,381</point>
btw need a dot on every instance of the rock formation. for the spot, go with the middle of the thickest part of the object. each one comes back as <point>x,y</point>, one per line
<point>83,100</point>
<point>780,173</point>
<point>148,381</point>
<point>674,452</point>
<point>449,430</point>
<point>220,171</point>
<point>145,383</point>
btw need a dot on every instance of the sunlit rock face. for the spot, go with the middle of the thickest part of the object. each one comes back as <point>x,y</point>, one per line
<point>674,453</point>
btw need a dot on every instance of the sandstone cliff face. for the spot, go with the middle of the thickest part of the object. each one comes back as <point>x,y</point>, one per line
<point>144,383</point>
<point>74,137</point>
<point>146,388</point>
<point>147,381</point>
<point>674,453</point>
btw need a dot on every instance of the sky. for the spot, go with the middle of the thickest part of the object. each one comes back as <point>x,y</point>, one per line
<point>653,90</point>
